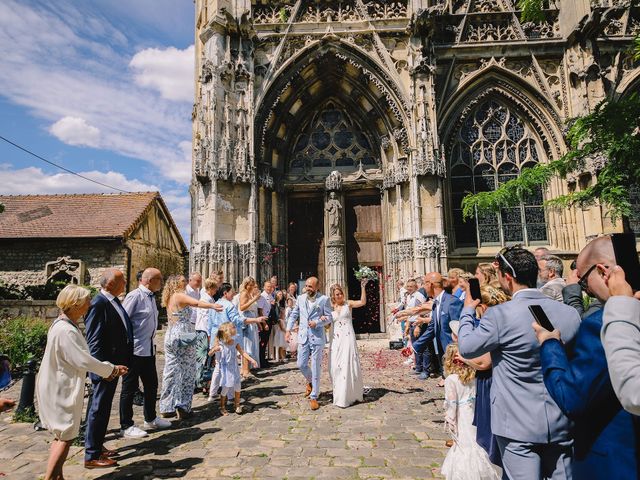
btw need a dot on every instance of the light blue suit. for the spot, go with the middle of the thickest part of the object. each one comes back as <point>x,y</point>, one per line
<point>311,340</point>
<point>532,431</point>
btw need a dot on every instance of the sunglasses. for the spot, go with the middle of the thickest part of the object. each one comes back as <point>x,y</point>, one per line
<point>499,258</point>
<point>583,281</point>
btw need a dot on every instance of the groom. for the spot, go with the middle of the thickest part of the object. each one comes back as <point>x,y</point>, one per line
<point>314,311</point>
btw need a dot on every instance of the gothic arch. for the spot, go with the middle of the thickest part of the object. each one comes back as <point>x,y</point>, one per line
<point>491,131</point>
<point>330,69</point>
<point>496,81</point>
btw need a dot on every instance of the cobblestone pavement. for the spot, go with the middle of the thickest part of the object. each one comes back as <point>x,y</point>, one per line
<point>396,433</point>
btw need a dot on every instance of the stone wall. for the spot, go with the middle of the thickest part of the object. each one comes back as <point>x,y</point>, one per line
<point>44,309</point>
<point>23,261</point>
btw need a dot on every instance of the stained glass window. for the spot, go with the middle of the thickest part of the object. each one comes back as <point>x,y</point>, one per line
<point>332,141</point>
<point>494,144</point>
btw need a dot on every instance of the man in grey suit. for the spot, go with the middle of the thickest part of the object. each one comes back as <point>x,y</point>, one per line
<point>314,312</point>
<point>531,430</point>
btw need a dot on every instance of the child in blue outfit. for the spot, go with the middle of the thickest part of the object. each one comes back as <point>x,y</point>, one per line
<point>226,349</point>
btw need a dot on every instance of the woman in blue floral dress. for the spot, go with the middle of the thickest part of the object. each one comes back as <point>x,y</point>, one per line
<point>179,375</point>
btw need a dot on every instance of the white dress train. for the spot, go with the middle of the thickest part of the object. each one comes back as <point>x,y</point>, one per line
<point>466,460</point>
<point>344,365</point>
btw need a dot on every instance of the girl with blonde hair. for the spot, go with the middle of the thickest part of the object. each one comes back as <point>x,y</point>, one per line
<point>248,307</point>
<point>465,460</point>
<point>490,296</point>
<point>486,274</point>
<point>179,376</point>
<point>60,382</point>
<point>226,348</point>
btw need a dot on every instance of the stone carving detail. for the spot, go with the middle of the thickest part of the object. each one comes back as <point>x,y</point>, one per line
<point>536,30</point>
<point>491,32</point>
<point>333,181</point>
<point>65,269</point>
<point>400,251</point>
<point>264,178</point>
<point>331,11</point>
<point>591,165</point>
<point>334,217</point>
<point>428,246</point>
<point>335,255</point>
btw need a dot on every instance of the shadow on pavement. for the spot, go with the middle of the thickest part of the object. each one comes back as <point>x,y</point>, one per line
<point>152,468</point>
<point>163,444</point>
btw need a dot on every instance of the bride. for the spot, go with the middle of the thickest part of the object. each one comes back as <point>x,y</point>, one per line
<point>343,350</point>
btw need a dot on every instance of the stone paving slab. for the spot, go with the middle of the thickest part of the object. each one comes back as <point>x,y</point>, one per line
<point>395,433</point>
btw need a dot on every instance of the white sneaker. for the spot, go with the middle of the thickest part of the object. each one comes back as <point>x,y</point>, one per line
<point>133,432</point>
<point>158,423</point>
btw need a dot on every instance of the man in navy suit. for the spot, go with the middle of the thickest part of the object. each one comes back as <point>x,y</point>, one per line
<point>444,309</point>
<point>532,432</point>
<point>109,337</point>
<point>606,436</point>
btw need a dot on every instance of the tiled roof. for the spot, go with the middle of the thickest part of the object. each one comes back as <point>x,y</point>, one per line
<point>73,216</point>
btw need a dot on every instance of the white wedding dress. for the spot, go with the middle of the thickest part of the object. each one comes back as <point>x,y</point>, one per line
<point>344,365</point>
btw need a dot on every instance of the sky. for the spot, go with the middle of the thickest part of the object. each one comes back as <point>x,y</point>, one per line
<point>103,88</point>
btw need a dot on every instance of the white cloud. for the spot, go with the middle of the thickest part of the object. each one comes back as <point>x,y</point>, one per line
<point>33,180</point>
<point>169,71</point>
<point>76,131</point>
<point>76,70</point>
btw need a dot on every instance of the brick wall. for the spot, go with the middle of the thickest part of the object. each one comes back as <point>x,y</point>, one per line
<point>23,261</point>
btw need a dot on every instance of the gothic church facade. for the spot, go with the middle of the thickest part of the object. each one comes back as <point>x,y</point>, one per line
<point>329,134</point>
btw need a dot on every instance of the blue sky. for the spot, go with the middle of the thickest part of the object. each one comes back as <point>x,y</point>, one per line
<point>104,88</point>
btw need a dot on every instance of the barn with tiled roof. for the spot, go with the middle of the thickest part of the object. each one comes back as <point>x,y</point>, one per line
<point>75,237</point>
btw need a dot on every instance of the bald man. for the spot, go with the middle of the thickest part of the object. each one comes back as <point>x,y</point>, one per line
<point>314,312</point>
<point>606,437</point>
<point>141,306</point>
<point>444,309</point>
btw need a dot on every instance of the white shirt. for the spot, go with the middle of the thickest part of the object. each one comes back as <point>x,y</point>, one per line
<point>264,302</point>
<point>193,293</point>
<point>202,314</point>
<point>118,308</point>
<point>413,300</point>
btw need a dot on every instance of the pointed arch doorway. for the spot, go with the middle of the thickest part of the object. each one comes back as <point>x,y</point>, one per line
<point>334,142</point>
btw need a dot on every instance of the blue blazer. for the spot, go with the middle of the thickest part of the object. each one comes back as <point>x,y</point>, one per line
<point>307,313</point>
<point>107,338</point>
<point>439,329</point>
<point>605,435</point>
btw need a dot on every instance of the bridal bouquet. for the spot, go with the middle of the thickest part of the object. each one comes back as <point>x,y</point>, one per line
<point>362,273</point>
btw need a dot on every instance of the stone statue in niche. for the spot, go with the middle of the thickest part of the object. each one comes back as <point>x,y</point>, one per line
<point>334,212</point>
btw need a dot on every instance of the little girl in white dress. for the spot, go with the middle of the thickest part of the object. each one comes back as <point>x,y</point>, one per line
<point>226,348</point>
<point>466,460</point>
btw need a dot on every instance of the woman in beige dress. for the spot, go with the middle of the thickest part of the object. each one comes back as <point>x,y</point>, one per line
<point>61,379</point>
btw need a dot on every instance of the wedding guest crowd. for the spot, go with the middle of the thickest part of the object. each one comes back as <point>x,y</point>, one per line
<point>523,400</point>
<point>556,404</point>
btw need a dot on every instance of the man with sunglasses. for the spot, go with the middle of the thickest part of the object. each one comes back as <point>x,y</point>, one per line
<point>606,436</point>
<point>532,432</point>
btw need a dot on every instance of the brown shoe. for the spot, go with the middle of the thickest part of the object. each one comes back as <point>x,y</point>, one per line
<point>102,462</point>
<point>314,404</point>
<point>309,390</point>
<point>109,453</point>
<point>448,443</point>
